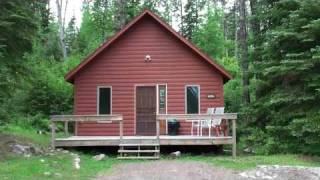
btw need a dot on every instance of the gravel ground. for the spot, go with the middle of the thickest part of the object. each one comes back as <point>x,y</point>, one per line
<point>167,170</point>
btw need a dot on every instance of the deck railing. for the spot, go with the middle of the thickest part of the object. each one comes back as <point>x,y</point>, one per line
<point>83,118</point>
<point>119,118</point>
<point>193,117</point>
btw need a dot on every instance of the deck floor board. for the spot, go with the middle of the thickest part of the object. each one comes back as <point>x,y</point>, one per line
<point>164,140</point>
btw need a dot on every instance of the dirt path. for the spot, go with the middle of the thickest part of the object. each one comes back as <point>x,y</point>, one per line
<point>177,170</point>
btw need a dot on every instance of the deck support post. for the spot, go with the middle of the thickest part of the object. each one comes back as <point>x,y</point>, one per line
<point>66,124</point>
<point>158,130</point>
<point>121,130</point>
<point>234,139</point>
<point>53,135</point>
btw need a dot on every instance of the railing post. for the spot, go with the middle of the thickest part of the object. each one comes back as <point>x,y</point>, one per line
<point>66,128</point>
<point>53,134</point>
<point>158,130</point>
<point>121,129</point>
<point>234,139</point>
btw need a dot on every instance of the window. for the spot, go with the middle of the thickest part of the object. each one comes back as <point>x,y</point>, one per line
<point>104,100</point>
<point>192,99</point>
<point>162,99</point>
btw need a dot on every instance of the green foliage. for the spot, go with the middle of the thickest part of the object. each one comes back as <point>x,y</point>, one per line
<point>191,18</point>
<point>287,109</point>
<point>17,31</point>
<point>48,92</point>
<point>209,35</point>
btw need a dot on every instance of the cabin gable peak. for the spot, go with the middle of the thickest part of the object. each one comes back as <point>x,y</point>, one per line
<point>70,76</point>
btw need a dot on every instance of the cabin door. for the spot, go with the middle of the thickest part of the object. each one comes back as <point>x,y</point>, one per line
<point>146,110</point>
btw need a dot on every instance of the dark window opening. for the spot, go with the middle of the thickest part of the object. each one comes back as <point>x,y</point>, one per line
<point>104,100</point>
<point>192,99</point>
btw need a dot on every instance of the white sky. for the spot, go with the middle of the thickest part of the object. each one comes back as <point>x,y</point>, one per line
<point>74,8</point>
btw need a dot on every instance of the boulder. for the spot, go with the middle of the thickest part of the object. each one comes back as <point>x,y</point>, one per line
<point>175,154</point>
<point>36,150</point>
<point>99,157</point>
<point>25,150</point>
<point>19,149</point>
<point>248,150</point>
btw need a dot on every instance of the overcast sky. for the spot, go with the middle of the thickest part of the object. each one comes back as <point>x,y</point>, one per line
<point>74,8</point>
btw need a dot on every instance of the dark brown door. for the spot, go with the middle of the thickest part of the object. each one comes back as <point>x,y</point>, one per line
<point>146,110</point>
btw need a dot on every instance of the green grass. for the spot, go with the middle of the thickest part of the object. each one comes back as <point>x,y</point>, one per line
<point>26,133</point>
<point>60,166</point>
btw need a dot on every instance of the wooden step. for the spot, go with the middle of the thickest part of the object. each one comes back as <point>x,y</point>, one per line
<point>138,157</point>
<point>138,151</point>
<point>139,145</point>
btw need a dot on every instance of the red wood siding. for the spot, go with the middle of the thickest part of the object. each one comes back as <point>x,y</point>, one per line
<point>122,66</point>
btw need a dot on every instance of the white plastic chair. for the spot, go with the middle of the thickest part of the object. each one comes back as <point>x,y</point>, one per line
<point>206,123</point>
<point>216,122</point>
<point>198,123</point>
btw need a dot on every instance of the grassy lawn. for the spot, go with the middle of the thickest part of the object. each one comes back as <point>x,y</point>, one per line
<point>57,167</point>
<point>60,166</point>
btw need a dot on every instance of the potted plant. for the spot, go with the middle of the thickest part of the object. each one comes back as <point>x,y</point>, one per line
<point>173,127</point>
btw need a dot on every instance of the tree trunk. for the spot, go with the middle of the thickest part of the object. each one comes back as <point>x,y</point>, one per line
<point>243,47</point>
<point>61,28</point>
<point>255,27</point>
<point>225,28</point>
<point>120,14</point>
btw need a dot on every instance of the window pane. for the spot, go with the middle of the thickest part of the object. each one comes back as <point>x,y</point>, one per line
<point>162,99</point>
<point>104,101</point>
<point>192,100</point>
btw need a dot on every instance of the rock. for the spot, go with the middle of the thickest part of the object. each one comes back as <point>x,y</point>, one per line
<point>42,160</point>
<point>175,154</point>
<point>27,155</point>
<point>47,173</point>
<point>65,151</point>
<point>76,162</point>
<point>20,149</point>
<point>41,132</point>
<point>36,150</point>
<point>25,150</point>
<point>248,150</point>
<point>99,157</point>
<point>58,174</point>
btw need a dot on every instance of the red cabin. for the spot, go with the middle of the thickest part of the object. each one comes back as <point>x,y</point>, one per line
<point>145,70</point>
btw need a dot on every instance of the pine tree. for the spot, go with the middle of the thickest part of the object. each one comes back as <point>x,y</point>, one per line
<point>191,18</point>
<point>289,93</point>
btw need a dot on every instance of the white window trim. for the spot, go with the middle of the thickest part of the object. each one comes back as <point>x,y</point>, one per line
<point>185,98</point>
<point>98,98</point>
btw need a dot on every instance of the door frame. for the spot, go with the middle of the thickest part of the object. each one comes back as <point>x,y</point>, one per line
<point>156,85</point>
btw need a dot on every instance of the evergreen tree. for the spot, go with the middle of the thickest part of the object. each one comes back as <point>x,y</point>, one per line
<point>18,27</point>
<point>71,36</point>
<point>289,93</point>
<point>191,18</point>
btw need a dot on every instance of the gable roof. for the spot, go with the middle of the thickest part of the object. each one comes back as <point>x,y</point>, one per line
<point>71,74</point>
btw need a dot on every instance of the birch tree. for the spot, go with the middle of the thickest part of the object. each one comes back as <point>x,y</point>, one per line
<point>61,21</point>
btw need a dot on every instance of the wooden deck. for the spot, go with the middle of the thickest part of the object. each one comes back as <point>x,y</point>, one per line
<point>74,141</point>
<point>121,140</point>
